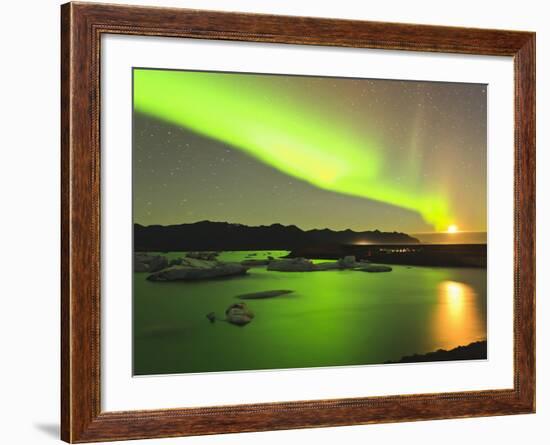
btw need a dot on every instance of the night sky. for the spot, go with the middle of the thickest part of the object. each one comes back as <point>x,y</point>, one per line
<point>315,152</point>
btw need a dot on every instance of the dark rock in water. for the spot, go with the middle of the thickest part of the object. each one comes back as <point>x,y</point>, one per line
<point>253,263</point>
<point>375,268</point>
<point>291,265</point>
<point>348,262</point>
<point>207,256</point>
<point>329,265</point>
<point>305,265</point>
<point>264,294</point>
<point>158,263</point>
<point>144,262</point>
<point>239,314</point>
<point>211,316</point>
<point>193,269</point>
<point>175,262</point>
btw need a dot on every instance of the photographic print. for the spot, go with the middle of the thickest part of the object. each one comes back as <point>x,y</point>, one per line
<point>284,221</point>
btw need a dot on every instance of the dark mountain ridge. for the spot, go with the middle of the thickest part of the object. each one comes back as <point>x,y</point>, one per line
<point>208,235</point>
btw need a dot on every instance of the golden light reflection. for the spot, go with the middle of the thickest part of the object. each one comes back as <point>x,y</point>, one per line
<point>454,294</point>
<point>457,320</point>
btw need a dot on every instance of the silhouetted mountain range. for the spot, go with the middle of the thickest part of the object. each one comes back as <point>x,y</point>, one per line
<point>207,235</point>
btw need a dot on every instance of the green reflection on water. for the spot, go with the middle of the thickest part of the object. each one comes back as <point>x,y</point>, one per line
<point>333,318</point>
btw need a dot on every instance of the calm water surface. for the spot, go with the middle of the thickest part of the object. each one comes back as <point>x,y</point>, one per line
<point>333,318</point>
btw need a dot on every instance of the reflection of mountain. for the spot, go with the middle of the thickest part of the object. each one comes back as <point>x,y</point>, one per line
<point>207,235</point>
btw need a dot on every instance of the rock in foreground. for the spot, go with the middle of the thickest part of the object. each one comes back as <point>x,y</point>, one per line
<point>474,351</point>
<point>264,294</point>
<point>239,314</point>
<point>192,269</point>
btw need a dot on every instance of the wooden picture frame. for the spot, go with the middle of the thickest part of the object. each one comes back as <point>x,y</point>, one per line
<point>82,25</point>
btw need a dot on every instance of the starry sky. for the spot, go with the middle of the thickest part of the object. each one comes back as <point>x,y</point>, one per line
<point>316,152</point>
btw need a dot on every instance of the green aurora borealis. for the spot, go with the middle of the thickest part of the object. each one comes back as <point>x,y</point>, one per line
<point>419,147</point>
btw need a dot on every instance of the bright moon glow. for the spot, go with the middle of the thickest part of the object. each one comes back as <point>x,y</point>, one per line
<point>285,134</point>
<point>452,229</point>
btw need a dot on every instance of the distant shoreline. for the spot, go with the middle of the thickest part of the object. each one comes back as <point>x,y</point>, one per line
<point>432,255</point>
<point>474,351</point>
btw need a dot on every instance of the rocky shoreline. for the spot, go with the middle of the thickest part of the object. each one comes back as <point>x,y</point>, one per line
<point>205,265</point>
<point>474,351</point>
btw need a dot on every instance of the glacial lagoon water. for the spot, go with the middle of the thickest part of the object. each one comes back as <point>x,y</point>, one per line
<point>333,318</point>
